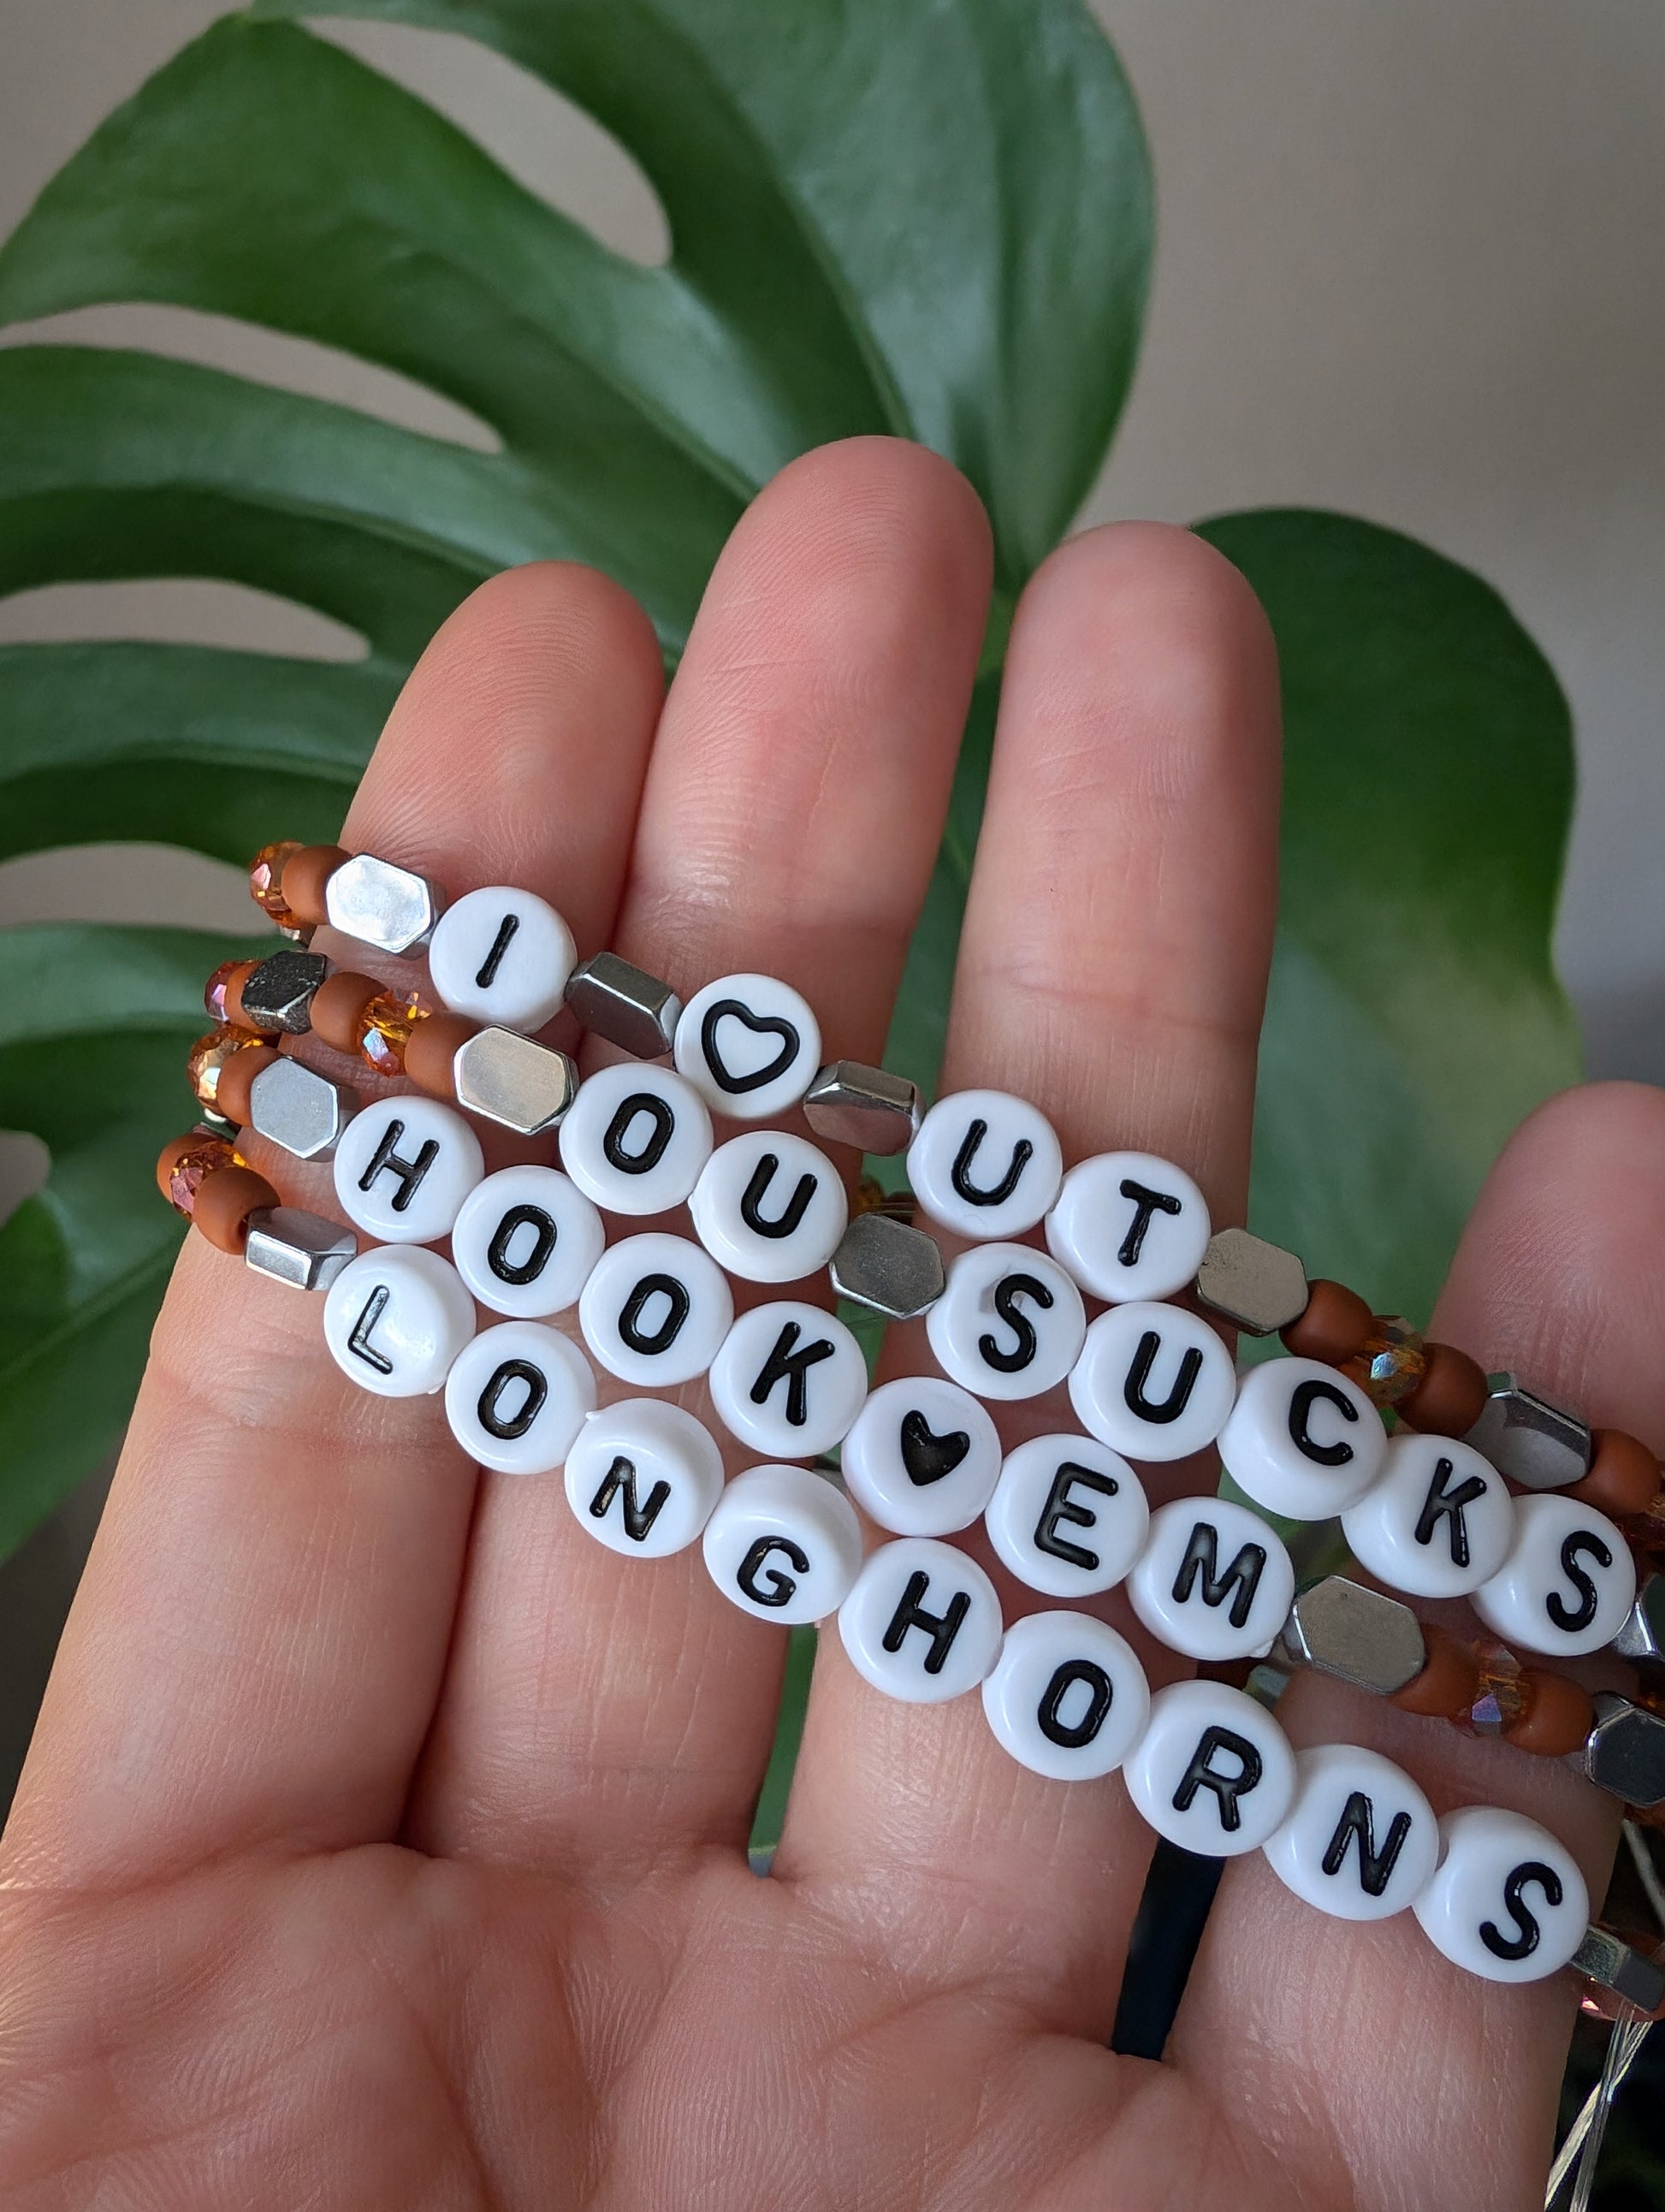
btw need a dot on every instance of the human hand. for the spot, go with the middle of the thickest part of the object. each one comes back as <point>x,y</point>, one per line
<point>383,1839</point>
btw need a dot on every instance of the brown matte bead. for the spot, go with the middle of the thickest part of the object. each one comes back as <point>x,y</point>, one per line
<point>231,1096</point>
<point>225,1202</point>
<point>431,1049</point>
<point>1449,1681</point>
<point>338,1007</point>
<point>1624,1476</point>
<point>305,874</point>
<point>1559,1715</point>
<point>1334,1327</point>
<point>1451,1395</point>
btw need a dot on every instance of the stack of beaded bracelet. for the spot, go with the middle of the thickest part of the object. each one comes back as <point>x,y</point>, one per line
<point>1482,1490</point>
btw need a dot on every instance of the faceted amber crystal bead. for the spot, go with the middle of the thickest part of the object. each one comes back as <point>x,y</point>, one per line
<point>1645,1534</point>
<point>265,879</point>
<point>220,982</point>
<point>388,1022</point>
<point>1391,1361</point>
<point>1501,1698</point>
<point>186,1164</point>
<point>210,1055</point>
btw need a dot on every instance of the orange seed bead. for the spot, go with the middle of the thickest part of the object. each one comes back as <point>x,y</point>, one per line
<point>432,1047</point>
<point>338,1008</point>
<point>1334,1328</point>
<point>306,874</point>
<point>1449,1397</point>
<point>1623,1480</point>
<point>210,1055</point>
<point>231,1092</point>
<point>1559,1715</point>
<point>224,1202</point>
<point>218,993</point>
<point>1449,1681</point>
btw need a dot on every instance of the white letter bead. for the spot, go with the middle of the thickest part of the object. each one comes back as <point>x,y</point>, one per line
<point>922,1622</point>
<point>1213,1771</point>
<point>502,956</point>
<point>1361,1841</point>
<point>1507,1900</point>
<point>1437,1522</point>
<point>1129,1225</point>
<point>1067,1697</point>
<point>644,1477</point>
<point>403,1167</point>
<point>1213,1581</point>
<point>635,1139</point>
<point>396,1318</point>
<point>1567,1583</point>
<point>788,1379</point>
<point>526,1242</point>
<point>984,1164</point>
<point>750,1045</point>
<point>1009,1324</point>
<point>922,1457</point>
<point>655,1310</point>
<point>517,1396</point>
<point>1302,1439</point>
<point>1068,1516</point>
<point>784,1544</point>
<point>1153,1382</point>
<point>769,1207</point>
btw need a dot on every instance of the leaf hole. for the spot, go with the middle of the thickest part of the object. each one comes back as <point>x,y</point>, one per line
<point>25,1163</point>
<point>163,886</point>
<point>177,610</point>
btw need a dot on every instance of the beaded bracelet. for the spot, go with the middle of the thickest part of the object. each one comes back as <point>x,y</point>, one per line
<point>1482,1490</point>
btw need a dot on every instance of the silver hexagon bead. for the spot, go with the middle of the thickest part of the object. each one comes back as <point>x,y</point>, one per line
<point>388,907</point>
<point>277,997</point>
<point>850,1104</point>
<point>1259,1287</point>
<point>1359,1635</point>
<point>1615,1965</point>
<point>625,1004</point>
<point>509,1079</point>
<point>1642,1636</point>
<point>1624,1752</point>
<point>889,1266</point>
<point>1529,1440</point>
<point>301,1249</point>
<point>298,1108</point>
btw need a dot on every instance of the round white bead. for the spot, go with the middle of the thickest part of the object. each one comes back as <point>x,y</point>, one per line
<point>1129,1225</point>
<point>984,1164</point>
<point>750,1045</point>
<point>1361,1841</point>
<point>1213,1771</point>
<point>635,1138</point>
<point>518,1396</point>
<point>644,1477</point>
<point>788,1379</point>
<point>1437,1522</point>
<point>525,1241</point>
<point>1067,1697</point>
<point>1153,1382</point>
<point>654,1309</point>
<point>1507,1900</point>
<point>1068,1516</point>
<point>1213,1581</point>
<point>922,1622</point>
<point>770,1207</point>
<point>502,956</point>
<point>1302,1439</point>
<point>403,1167</point>
<point>395,1319</point>
<point>784,1544</point>
<point>922,1457</point>
<point>1566,1582</point>
<point>1010,1323</point>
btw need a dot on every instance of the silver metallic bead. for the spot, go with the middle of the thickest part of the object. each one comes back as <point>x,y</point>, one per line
<point>509,1080</point>
<point>302,1249</point>
<point>850,1103</point>
<point>1359,1635</point>
<point>1642,1636</point>
<point>1624,1752</point>
<point>278,995</point>
<point>1608,1960</point>
<point>1529,1440</point>
<point>1258,1286</point>
<point>300,1110</point>
<point>382,905</point>
<point>625,1004</point>
<point>888,1266</point>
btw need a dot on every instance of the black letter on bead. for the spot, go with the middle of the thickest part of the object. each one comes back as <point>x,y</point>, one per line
<point>1522,1944</point>
<point>1132,1390</point>
<point>941,1628</point>
<point>1060,1506</point>
<point>620,1481</point>
<point>659,1113</point>
<point>650,1342</point>
<point>1227,1788</point>
<point>751,1203</point>
<point>790,1367</point>
<point>960,1174</point>
<point>499,945</point>
<point>385,1161</point>
<point>359,1342</point>
<point>1070,1736</point>
<point>516,1424</point>
<point>1375,1868</point>
<point>1146,1205</point>
<point>1575,1617</point>
<point>1239,1583</point>
<point>1302,1400</point>
<point>526,1270</point>
<point>1448,1503</point>
<point>781,1587</point>
<point>1007,1292</point>
<point>759,1025</point>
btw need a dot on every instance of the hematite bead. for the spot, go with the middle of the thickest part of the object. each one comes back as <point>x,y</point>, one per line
<point>383,905</point>
<point>1621,1970</point>
<point>1258,1286</point>
<point>1625,1751</point>
<point>1529,1440</point>
<point>508,1079</point>
<point>1359,1635</point>
<point>1642,1636</point>
<point>625,1004</point>
<point>300,1249</point>
<point>850,1104</point>
<point>277,995</point>
<point>300,1110</point>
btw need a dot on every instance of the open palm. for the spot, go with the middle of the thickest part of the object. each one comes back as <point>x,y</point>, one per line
<point>383,1841</point>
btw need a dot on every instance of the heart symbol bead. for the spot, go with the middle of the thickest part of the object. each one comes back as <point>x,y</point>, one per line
<point>759,1025</point>
<point>927,1456</point>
